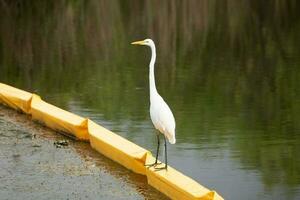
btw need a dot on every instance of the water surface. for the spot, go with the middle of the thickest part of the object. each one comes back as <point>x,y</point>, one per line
<point>229,71</point>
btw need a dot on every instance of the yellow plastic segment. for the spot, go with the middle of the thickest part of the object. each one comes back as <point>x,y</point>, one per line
<point>176,185</point>
<point>171,182</point>
<point>117,148</point>
<point>59,119</point>
<point>15,98</point>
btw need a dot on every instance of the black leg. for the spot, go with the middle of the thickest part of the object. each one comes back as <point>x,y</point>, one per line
<point>166,158</point>
<point>157,151</point>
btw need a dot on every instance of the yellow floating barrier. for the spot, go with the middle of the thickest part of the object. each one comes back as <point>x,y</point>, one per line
<point>117,148</point>
<point>59,119</point>
<point>176,185</point>
<point>170,182</point>
<point>15,98</point>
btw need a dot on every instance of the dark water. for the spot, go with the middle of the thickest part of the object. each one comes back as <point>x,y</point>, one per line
<point>229,70</point>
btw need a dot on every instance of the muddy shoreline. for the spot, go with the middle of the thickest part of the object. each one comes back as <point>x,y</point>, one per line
<point>38,163</point>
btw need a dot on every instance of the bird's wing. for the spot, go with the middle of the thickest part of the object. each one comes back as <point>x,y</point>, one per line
<point>162,118</point>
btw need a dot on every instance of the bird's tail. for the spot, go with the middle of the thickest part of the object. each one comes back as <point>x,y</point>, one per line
<point>171,138</point>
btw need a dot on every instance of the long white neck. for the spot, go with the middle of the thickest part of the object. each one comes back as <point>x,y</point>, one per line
<point>152,86</point>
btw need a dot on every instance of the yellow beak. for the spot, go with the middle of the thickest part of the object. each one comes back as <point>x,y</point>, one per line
<point>139,42</point>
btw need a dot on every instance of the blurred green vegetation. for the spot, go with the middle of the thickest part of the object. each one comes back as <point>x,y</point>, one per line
<point>229,69</point>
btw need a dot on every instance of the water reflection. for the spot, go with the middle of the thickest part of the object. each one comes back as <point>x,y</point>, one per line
<point>229,70</point>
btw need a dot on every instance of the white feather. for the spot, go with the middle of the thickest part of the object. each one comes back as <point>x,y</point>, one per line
<point>160,113</point>
<point>162,118</point>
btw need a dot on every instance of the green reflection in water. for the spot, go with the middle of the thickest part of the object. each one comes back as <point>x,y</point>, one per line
<point>229,70</point>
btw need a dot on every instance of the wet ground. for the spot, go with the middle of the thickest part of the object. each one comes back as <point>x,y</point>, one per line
<point>38,163</point>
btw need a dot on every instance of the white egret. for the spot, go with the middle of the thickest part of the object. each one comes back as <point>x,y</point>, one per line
<point>160,113</point>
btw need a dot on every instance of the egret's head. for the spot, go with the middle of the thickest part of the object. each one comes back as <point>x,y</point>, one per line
<point>147,42</point>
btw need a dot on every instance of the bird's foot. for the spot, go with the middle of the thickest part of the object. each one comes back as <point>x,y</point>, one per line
<point>153,164</point>
<point>161,168</point>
